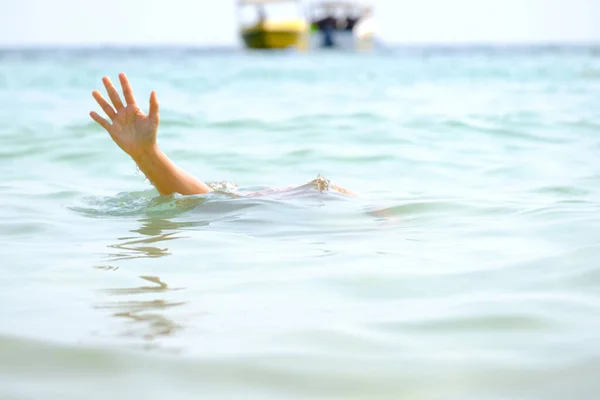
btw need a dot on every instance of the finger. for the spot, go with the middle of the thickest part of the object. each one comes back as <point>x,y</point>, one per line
<point>112,93</point>
<point>107,108</point>
<point>101,121</point>
<point>153,114</point>
<point>127,91</point>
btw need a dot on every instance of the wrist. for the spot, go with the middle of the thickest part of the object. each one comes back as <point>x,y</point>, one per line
<point>144,154</point>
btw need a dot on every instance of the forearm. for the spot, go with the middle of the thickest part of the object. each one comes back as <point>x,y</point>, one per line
<point>167,177</point>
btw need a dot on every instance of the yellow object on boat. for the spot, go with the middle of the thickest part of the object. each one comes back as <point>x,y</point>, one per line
<point>276,34</point>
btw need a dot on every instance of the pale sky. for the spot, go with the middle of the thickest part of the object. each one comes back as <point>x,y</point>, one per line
<point>213,22</point>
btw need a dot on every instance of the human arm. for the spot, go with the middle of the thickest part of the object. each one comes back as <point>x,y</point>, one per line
<point>135,133</point>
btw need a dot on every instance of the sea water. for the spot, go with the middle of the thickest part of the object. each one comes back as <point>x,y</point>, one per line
<point>467,267</point>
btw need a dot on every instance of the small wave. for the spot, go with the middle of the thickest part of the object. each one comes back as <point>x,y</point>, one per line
<point>422,207</point>
<point>227,197</point>
<point>362,116</point>
<point>298,121</point>
<point>247,123</point>
<point>559,209</point>
<point>510,130</point>
<point>122,205</point>
<point>563,190</point>
<point>518,322</point>
<point>590,73</point>
<point>134,204</point>
<point>179,122</point>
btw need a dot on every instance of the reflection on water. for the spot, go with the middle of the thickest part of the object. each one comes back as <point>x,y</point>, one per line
<point>145,307</point>
<point>148,317</point>
<point>154,226</point>
<point>106,267</point>
<point>162,287</point>
<point>136,247</point>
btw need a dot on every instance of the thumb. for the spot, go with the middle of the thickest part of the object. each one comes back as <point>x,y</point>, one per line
<point>153,114</point>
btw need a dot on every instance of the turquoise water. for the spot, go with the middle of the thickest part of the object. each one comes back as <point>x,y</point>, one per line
<point>467,268</point>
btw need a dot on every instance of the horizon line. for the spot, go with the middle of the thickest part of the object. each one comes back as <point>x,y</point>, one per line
<point>232,46</point>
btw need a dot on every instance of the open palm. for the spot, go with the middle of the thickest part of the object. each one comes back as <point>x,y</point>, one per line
<point>130,128</point>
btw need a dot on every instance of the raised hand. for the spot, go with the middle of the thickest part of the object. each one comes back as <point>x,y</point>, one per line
<point>130,128</point>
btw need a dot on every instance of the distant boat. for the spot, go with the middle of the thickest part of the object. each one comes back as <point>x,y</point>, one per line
<point>267,32</point>
<point>341,24</point>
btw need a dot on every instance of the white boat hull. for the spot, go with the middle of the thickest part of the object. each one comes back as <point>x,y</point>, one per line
<point>343,40</point>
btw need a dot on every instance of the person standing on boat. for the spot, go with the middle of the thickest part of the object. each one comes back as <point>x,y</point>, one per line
<point>327,27</point>
<point>351,20</point>
<point>262,15</point>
